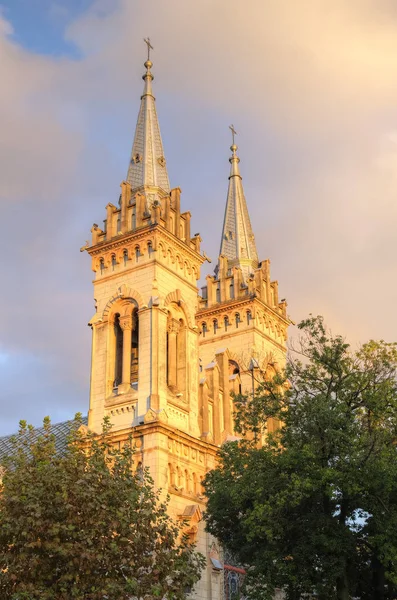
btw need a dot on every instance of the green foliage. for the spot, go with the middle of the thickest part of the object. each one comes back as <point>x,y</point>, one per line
<point>85,525</point>
<point>314,510</point>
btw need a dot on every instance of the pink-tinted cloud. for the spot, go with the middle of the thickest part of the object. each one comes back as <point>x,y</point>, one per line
<point>310,87</point>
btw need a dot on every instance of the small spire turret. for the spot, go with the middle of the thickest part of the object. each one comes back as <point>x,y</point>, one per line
<point>238,242</point>
<point>147,168</point>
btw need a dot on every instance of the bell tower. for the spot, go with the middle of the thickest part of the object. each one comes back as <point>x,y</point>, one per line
<point>165,361</point>
<point>240,314</point>
<point>146,265</point>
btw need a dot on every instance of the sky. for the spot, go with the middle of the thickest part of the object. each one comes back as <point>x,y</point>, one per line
<point>311,89</point>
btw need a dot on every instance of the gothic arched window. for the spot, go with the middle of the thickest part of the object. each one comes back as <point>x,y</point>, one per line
<point>238,319</point>
<point>102,266</point>
<point>226,322</point>
<point>231,290</point>
<point>135,349</point>
<point>114,262</point>
<point>118,358</point>
<point>125,257</point>
<point>123,359</point>
<point>215,324</point>
<point>234,369</point>
<point>249,317</point>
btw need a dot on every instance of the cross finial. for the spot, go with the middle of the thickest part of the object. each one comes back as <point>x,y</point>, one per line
<point>234,132</point>
<point>149,46</point>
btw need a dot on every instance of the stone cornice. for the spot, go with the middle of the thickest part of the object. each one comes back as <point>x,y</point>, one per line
<point>141,233</point>
<point>170,431</point>
<point>226,336</point>
<point>136,268</point>
<point>220,308</point>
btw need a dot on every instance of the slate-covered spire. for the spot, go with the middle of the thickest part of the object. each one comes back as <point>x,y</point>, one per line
<point>238,242</point>
<point>147,168</point>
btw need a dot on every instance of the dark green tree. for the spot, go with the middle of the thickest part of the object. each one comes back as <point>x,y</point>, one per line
<point>312,508</point>
<point>83,524</point>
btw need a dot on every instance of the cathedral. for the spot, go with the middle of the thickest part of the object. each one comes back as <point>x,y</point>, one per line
<point>166,360</point>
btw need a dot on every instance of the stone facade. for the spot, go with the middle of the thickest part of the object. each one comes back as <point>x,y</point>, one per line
<point>166,361</point>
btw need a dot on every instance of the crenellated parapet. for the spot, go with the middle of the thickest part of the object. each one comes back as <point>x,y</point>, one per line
<point>228,285</point>
<point>160,234</point>
<point>229,305</point>
<point>244,315</point>
<point>134,213</point>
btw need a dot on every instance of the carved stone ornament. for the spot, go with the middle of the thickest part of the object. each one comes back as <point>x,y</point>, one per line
<point>173,326</point>
<point>136,158</point>
<point>161,161</point>
<point>127,322</point>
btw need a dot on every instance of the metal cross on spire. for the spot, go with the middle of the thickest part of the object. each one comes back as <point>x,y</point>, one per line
<point>149,46</point>
<point>234,132</point>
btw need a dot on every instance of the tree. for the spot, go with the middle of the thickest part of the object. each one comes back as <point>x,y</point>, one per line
<point>312,508</point>
<point>84,524</point>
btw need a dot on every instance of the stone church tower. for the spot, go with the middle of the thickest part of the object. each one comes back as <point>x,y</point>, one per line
<point>165,361</point>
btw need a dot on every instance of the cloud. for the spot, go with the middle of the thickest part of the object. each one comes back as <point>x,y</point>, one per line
<point>310,87</point>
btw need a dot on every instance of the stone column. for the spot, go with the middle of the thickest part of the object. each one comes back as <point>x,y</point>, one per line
<point>126,324</point>
<point>204,408</point>
<point>173,329</point>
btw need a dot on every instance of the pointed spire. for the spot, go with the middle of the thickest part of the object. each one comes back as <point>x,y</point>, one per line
<point>238,242</point>
<point>147,168</point>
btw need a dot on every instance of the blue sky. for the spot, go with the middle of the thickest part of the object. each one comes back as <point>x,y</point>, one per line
<point>39,25</point>
<point>310,88</point>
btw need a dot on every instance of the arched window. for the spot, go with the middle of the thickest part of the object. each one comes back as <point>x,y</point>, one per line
<point>186,481</point>
<point>137,254</point>
<point>218,293</point>
<point>181,358</point>
<point>133,218</point>
<point>171,475</point>
<point>119,222</point>
<point>135,350</point>
<point>238,319</point>
<point>249,317</point>
<point>204,328</point>
<point>180,476</point>
<point>231,290</point>
<point>102,266</point>
<point>118,359</point>
<point>114,262</point>
<point>234,369</point>
<point>125,257</point>
<point>123,361</point>
<point>215,323</point>
<point>226,322</point>
<point>150,249</point>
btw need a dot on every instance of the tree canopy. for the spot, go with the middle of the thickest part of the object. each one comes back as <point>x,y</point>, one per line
<point>85,525</point>
<point>312,507</point>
